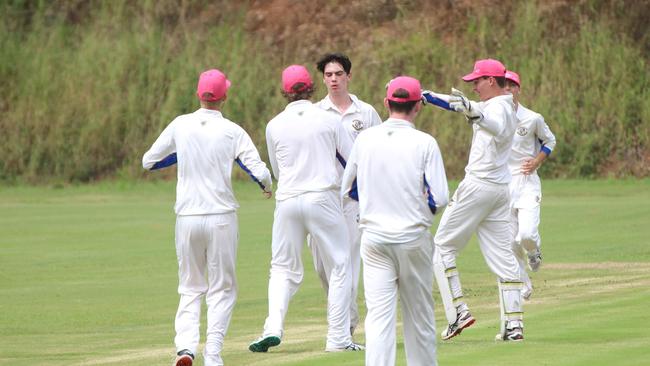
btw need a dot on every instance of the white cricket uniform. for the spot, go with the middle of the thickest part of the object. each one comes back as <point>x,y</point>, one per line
<point>532,136</point>
<point>400,180</point>
<point>481,204</point>
<point>357,118</point>
<point>206,145</point>
<point>303,141</point>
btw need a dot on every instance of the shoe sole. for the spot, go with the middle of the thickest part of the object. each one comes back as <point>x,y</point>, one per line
<point>360,349</point>
<point>264,344</point>
<point>184,361</point>
<point>499,337</point>
<point>460,329</point>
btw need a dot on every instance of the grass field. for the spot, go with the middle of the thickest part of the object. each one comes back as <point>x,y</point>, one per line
<point>88,277</point>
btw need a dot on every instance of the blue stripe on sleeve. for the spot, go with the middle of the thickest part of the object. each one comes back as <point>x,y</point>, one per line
<point>438,102</point>
<point>169,160</point>
<point>354,192</point>
<point>339,157</point>
<point>546,150</point>
<point>430,201</point>
<point>254,178</point>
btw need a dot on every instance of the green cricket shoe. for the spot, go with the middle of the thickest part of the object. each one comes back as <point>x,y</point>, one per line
<point>262,344</point>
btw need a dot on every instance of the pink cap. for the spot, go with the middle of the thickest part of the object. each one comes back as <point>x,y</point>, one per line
<point>513,76</point>
<point>295,74</point>
<point>214,82</point>
<point>488,67</point>
<point>410,85</point>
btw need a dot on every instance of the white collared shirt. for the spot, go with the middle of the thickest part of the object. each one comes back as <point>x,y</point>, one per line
<point>206,145</point>
<point>303,141</point>
<point>400,180</point>
<point>492,141</point>
<point>357,118</point>
<point>531,136</point>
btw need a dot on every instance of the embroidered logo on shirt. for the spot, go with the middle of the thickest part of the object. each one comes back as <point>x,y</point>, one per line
<point>522,131</point>
<point>357,125</point>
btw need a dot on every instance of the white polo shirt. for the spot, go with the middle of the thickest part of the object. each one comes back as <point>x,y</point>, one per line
<point>206,146</point>
<point>303,141</point>
<point>357,118</point>
<point>492,141</point>
<point>400,179</point>
<point>531,136</point>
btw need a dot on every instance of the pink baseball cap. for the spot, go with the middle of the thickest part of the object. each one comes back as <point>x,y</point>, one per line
<point>513,76</point>
<point>410,85</point>
<point>488,67</point>
<point>214,82</point>
<point>293,75</point>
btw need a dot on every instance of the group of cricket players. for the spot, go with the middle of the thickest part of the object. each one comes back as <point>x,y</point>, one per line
<point>357,189</point>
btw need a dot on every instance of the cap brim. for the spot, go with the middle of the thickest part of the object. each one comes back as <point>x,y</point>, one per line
<point>227,84</point>
<point>470,77</point>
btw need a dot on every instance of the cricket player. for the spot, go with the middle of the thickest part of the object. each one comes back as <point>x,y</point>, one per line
<point>303,143</point>
<point>481,204</point>
<point>355,116</point>
<point>532,144</point>
<point>206,145</point>
<point>396,213</point>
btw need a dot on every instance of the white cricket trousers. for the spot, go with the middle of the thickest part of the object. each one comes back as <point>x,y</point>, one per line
<point>405,271</point>
<point>484,208</point>
<point>320,215</point>
<point>526,197</point>
<point>206,249</point>
<point>351,213</point>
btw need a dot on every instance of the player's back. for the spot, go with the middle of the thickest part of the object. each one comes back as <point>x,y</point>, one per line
<point>206,144</point>
<point>302,142</point>
<point>391,160</point>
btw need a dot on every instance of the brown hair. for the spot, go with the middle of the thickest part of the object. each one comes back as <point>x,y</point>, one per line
<point>300,91</point>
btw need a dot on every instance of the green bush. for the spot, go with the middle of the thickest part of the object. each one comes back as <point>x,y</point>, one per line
<point>87,86</point>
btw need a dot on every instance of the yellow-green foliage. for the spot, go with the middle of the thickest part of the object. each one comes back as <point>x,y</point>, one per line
<point>82,99</point>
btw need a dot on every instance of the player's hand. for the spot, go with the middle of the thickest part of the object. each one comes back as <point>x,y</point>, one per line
<point>267,194</point>
<point>459,102</point>
<point>529,166</point>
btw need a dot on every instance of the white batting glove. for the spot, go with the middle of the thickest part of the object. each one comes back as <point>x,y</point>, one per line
<point>459,102</point>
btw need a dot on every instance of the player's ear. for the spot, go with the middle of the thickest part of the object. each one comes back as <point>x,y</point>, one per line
<point>386,103</point>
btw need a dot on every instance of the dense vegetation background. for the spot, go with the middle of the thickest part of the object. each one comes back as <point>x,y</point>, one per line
<point>88,85</point>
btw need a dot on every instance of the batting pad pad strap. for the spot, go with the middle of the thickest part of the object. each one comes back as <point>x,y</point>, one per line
<point>452,271</point>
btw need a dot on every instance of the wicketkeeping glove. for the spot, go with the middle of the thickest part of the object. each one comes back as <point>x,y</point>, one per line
<point>459,102</point>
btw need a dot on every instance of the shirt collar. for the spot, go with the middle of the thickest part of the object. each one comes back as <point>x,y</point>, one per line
<point>297,103</point>
<point>328,104</point>
<point>398,122</point>
<point>209,112</point>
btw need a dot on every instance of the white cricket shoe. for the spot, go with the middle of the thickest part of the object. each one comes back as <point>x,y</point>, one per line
<point>512,335</point>
<point>464,319</point>
<point>349,348</point>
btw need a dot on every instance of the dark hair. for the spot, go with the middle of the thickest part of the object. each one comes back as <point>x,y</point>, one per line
<point>401,107</point>
<point>501,80</point>
<point>299,91</point>
<point>334,57</point>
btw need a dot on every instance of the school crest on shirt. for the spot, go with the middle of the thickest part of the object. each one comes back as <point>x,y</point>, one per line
<point>522,131</point>
<point>357,125</point>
